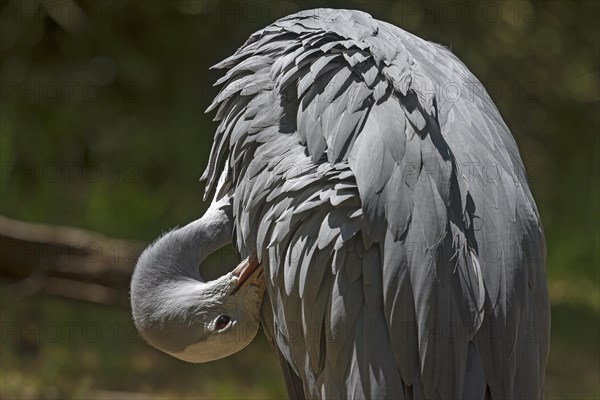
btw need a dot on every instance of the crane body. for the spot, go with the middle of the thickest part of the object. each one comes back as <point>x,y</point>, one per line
<point>372,178</point>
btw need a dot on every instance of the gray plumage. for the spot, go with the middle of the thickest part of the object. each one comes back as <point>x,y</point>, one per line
<point>403,251</point>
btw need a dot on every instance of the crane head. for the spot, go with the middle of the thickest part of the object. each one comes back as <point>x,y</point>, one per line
<point>179,313</point>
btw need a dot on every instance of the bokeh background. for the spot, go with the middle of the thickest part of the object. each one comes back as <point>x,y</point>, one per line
<point>102,128</point>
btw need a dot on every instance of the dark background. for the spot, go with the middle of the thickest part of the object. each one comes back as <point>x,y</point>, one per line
<point>102,128</point>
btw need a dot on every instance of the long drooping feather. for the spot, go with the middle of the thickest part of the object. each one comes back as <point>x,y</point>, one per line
<point>403,251</point>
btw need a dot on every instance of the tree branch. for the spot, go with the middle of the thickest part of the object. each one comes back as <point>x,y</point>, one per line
<point>65,261</point>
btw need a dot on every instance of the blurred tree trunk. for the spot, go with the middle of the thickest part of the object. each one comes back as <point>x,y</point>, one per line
<point>65,261</point>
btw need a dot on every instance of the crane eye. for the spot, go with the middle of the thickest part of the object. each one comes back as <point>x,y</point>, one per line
<point>222,321</point>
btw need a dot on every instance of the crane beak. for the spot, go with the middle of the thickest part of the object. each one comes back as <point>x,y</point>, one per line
<point>245,270</point>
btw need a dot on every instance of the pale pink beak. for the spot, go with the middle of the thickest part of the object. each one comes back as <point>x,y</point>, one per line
<point>245,270</point>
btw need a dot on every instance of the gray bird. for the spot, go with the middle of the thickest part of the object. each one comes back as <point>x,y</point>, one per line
<point>391,245</point>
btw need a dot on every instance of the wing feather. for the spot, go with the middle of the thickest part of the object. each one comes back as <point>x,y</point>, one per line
<point>388,218</point>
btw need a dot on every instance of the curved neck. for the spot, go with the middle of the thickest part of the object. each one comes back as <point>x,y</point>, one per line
<point>185,248</point>
<point>171,264</point>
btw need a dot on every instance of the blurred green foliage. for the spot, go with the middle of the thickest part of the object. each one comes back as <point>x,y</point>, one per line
<point>102,127</point>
